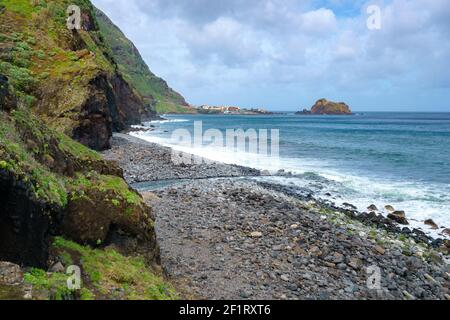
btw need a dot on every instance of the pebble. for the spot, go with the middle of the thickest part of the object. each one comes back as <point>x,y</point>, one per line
<point>380,250</point>
<point>285,278</point>
<point>271,241</point>
<point>256,234</point>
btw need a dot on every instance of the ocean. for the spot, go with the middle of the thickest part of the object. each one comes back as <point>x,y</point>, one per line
<point>400,159</point>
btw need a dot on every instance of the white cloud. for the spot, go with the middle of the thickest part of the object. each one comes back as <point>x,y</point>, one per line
<point>285,53</point>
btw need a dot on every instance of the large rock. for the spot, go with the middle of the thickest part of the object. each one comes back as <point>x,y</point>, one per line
<point>47,183</point>
<point>325,107</point>
<point>431,224</point>
<point>107,211</point>
<point>12,285</point>
<point>399,217</point>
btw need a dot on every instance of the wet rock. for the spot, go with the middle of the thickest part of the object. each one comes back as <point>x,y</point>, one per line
<point>372,208</point>
<point>399,217</point>
<point>349,206</point>
<point>389,208</point>
<point>431,224</point>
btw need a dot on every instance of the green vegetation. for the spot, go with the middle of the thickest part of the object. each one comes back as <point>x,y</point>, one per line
<point>16,157</point>
<point>105,184</point>
<point>154,90</point>
<point>37,62</point>
<point>53,73</point>
<point>77,149</point>
<point>55,284</point>
<point>25,146</point>
<point>25,8</point>
<point>105,273</point>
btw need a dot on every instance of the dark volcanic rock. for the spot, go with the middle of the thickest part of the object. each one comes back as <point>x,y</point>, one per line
<point>143,161</point>
<point>111,106</point>
<point>399,217</point>
<point>259,244</point>
<point>432,224</point>
<point>26,224</point>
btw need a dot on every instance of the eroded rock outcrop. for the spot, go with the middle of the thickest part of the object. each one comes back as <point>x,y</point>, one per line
<point>325,107</point>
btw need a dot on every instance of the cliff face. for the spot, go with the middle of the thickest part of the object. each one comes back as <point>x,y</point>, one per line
<point>154,90</point>
<point>69,78</point>
<point>55,85</point>
<point>51,185</point>
<point>325,107</point>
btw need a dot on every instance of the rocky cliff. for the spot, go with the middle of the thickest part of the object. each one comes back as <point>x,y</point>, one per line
<point>325,107</point>
<point>50,185</point>
<point>56,85</point>
<point>69,78</point>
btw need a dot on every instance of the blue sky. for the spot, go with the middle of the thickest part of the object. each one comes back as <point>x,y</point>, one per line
<point>286,54</point>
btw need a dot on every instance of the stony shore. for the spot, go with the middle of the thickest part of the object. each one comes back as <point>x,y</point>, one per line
<point>238,238</point>
<point>144,161</point>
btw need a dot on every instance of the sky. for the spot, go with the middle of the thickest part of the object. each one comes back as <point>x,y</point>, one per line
<point>286,54</point>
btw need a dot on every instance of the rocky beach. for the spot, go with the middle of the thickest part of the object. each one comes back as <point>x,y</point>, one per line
<point>226,233</point>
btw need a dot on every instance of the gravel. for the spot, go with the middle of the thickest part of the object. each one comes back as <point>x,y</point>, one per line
<point>237,238</point>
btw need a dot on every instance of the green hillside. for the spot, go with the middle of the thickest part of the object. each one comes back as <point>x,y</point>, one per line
<point>153,89</point>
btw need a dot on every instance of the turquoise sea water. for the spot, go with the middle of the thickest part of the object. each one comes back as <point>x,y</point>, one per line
<point>401,159</point>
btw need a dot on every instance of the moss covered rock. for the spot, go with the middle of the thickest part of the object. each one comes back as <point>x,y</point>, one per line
<point>101,208</point>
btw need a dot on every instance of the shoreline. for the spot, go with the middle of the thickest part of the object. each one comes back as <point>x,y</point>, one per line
<point>136,173</point>
<point>238,237</point>
<point>424,200</point>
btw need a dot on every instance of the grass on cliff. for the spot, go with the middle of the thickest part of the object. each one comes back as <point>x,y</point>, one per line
<point>37,62</point>
<point>106,274</point>
<point>26,143</point>
<point>16,158</point>
<point>104,184</point>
